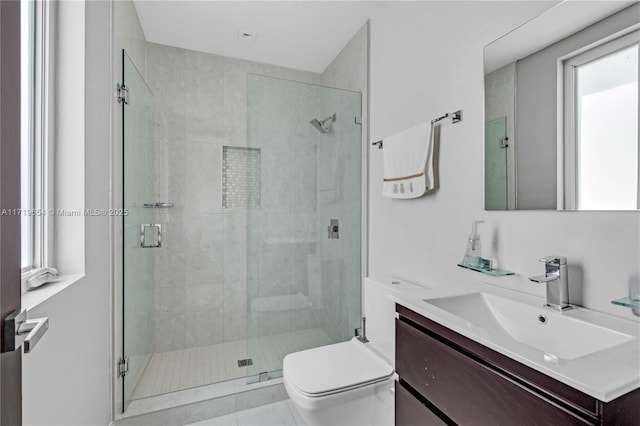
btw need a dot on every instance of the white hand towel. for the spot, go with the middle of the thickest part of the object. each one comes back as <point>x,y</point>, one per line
<point>406,170</point>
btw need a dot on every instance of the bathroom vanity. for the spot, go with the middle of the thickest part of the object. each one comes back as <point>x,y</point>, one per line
<point>447,378</point>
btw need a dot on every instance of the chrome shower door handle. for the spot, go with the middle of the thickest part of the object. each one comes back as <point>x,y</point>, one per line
<point>155,230</point>
<point>19,331</point>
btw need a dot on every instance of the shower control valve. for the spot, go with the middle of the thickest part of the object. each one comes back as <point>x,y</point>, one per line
<point>334,229</point>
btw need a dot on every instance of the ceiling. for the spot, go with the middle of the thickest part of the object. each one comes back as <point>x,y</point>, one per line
<point>305,35</point>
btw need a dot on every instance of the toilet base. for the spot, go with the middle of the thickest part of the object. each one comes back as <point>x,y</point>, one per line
<point>371,405</point>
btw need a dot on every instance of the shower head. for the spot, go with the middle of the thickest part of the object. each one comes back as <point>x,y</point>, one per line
<point>323,126</point>
<point>319,125</point>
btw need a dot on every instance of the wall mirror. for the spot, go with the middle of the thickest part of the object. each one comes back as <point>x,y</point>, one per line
<point>561,110</point>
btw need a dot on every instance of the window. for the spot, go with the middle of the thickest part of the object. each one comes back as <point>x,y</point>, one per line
<point>27,56</point>
<point>37,77</point>
<point>601,127</point>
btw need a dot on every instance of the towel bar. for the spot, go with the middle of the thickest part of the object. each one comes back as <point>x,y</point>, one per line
<point>456,117</point>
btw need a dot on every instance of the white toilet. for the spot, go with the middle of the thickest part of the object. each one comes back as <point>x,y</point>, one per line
<point>349,383</point>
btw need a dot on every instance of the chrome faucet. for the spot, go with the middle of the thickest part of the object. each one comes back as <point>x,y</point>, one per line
<point>556,277</point>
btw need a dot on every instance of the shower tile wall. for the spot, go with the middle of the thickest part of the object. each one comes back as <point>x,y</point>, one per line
<point>315,177</point>
<point>201,270</point>
<point>279,114</point>
<point>343,265</point>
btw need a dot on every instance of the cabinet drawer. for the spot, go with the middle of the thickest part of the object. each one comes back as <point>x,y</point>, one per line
<point>411,412</point>
<point>578,401</point>
<point>469,392</point>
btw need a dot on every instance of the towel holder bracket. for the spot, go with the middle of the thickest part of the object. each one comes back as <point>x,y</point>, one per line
<point>456,117</point>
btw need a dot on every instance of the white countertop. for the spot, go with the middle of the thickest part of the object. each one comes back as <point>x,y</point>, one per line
<point>604,375</point>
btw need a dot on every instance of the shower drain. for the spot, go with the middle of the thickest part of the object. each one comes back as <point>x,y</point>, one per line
<point>245,362</point>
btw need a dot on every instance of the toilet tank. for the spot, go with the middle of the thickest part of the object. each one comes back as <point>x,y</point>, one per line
<point>379,310</point>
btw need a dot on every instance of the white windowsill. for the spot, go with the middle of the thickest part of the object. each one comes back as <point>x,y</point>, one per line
<point>35,297</point>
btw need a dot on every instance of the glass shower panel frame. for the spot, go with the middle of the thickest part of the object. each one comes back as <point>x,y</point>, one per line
<point>303,289</point>
<point>138,194</point>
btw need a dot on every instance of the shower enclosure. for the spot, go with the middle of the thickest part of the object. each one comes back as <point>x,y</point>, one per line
<point>237,249</point>
<point>303,287</point>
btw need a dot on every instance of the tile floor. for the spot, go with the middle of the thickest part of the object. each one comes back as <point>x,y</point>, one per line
<point>183,369</point>
<point>281,413</point>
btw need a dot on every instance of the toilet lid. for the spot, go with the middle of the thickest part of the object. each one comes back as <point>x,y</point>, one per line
<point>331,368</point>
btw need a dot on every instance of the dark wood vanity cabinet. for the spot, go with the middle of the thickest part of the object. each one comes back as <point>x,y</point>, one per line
<point>446,378</point>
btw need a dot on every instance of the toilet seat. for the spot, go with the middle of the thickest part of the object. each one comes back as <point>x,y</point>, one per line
<point>335,368</point>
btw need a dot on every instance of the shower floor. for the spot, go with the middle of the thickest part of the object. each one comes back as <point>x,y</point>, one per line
<point>187,368</point>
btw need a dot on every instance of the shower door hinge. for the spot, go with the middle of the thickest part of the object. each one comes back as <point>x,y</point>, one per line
<point>123,94</point>
<point>503,142</point>
<point>123,366</point>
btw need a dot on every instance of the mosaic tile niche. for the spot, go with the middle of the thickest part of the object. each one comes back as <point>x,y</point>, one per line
<point>240,178</point>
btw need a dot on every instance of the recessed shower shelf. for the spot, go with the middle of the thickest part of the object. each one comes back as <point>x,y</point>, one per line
<point>494,272</point>
<point>157,205</point>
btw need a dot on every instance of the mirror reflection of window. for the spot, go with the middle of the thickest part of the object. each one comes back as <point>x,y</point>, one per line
<point>607,122</point>
<point>565,82</point>
<point>603,127</point>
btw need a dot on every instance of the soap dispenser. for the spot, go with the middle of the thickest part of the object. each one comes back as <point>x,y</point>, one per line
<point>473,255</point>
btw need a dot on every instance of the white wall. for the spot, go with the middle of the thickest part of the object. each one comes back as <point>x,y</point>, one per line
<point>426,59</point>
<point>66,379</point>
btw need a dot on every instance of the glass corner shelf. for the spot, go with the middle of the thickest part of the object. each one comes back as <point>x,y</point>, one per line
<point>628,302</point>
<point>494,272</point>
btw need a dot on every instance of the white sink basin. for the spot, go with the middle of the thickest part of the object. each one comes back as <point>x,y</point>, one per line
<point>557,335</point>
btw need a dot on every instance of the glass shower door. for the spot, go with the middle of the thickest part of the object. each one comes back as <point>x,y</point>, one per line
<point>140,232</point>
<point>303,287</point>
